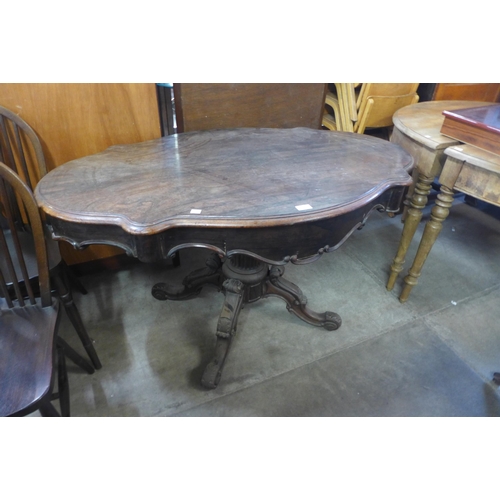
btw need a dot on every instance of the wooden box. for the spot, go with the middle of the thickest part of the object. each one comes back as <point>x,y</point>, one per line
<point>478,126</point>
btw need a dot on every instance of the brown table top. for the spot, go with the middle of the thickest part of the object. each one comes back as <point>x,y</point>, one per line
<point>225,178</point>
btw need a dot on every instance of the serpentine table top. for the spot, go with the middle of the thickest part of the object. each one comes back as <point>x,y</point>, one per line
<point>209,188</point>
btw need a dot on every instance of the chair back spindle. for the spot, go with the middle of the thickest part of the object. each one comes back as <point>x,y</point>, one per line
<point>13,267</point>
<point>20,148</point>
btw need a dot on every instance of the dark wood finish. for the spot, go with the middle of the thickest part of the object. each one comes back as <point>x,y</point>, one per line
<point>27,361</point>
<point>206,106</point>
<point>243,280</point>
<point>246,182</point>
<point>28,325</point>
<point>21,150</point>
<point>258,198</point>
<point>478,127</point>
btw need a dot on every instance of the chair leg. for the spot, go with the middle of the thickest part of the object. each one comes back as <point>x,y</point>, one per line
<point>73,314</point>
<point>73,279</point>
<point>70,353</point>
<point>47,410</point>
<point>62,381</point>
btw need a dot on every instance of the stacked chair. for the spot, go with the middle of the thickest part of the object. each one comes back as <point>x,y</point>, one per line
<point>354,107</point>
<point>31,353</point>
<point>341,111</point>
<point>21,151</point>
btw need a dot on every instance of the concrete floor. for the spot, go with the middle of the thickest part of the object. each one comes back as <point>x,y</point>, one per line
<point>433,356</point>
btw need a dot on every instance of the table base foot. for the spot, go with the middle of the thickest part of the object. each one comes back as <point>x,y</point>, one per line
<point>193,283</point>
<point>296,301</point>
<point>242,279</point>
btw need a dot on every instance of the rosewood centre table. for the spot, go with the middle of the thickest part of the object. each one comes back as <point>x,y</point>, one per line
<point>256,198</point>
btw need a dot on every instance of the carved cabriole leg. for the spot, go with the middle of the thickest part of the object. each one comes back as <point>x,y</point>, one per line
<point>297,302</point>
<point>414,216</point>
<point>432,229</point>
<point>226,328</point>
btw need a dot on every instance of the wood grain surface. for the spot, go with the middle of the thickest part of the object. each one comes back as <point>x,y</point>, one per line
<point>207,106</point>
<point>240,177</point>
<point>217,181</point>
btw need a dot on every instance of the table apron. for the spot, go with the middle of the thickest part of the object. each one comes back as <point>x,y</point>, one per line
<point>276,243</point>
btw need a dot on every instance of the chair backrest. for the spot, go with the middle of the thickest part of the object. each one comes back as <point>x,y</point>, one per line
<point>14,273</point>
<point>384,90</point>
<point>342,100</point>
<point>205,106</point>
<point>20,148</point>
<point>377,111</point>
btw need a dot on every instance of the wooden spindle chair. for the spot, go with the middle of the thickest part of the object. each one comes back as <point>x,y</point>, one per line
<point>21,150</point>
<point>31,352</point>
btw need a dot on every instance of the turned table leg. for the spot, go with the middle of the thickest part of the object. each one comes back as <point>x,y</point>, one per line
<point>406,203</point>
<point>432,229</point>
<point>413,218</point>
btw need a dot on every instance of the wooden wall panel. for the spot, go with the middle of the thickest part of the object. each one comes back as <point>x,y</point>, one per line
<point>487,92</point>
<point>79,119</point>
<point>204,106</point>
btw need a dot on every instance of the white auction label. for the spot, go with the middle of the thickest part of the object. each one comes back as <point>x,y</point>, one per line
<point>195,211</point>
<point>303,207</point>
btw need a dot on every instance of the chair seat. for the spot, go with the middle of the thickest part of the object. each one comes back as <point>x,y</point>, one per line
<point>26,356</point>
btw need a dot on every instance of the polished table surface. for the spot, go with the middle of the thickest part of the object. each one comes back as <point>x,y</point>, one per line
<point>257,198</point>
<point>213,187</point>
